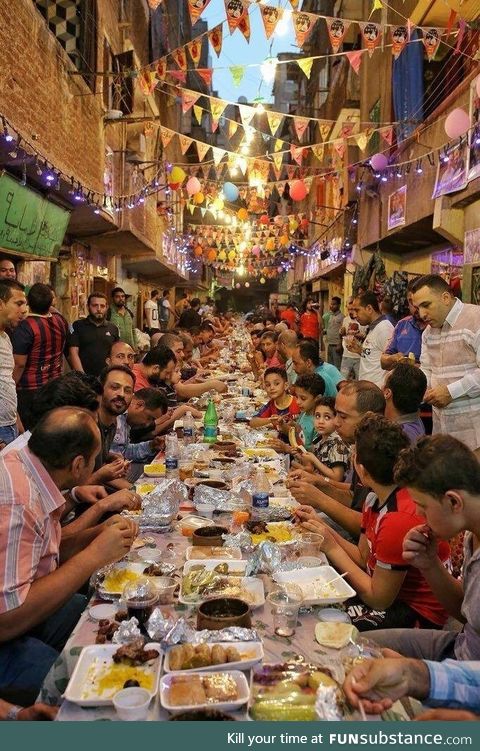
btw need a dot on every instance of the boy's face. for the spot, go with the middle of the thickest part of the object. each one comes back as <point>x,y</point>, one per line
<point>275,386</point>
<point>442,516</point>
<point>269,347</point>
<point>305,399</point>
<point>324,420</point>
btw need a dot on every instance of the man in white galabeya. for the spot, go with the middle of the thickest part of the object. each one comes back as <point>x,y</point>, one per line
<point>450,358</point>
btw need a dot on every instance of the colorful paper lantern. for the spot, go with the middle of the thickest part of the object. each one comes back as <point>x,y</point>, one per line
<point>270,244</point>
<point>232,255</point>
<point>212,254</point>
<point>242,214</point>
<point>230,191</point>
<point>262,280</point>
<point>193,185</point>
<point>198,251</point>
<point>379,162</point>
<point>177,175</point>
<point>264,219</point>
<point>298,190</point>
<point>284,240</point>
<point>198,198</point>
<point>457,123</point>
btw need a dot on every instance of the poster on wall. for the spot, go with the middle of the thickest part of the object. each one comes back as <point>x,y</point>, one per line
<point>471,248</point>
<point>474,163</point>
<point>397,208</point>
<point>452,175</point>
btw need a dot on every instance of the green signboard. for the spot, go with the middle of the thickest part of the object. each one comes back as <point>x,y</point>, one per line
<point>29,223</point>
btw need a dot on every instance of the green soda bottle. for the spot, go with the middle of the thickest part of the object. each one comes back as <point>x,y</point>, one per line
<point>210,423</point>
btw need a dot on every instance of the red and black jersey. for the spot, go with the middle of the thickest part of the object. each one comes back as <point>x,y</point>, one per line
<point>385,526</point>
<point>42,339</point>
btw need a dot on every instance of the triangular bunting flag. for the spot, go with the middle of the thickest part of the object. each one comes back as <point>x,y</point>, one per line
<point>198,112</point>
<point>270,17</point>
<point>303,24</point>
<point>278,145</point>
<point>180,58</point>
<point>161,69</point>
<point>377,5</point>
<point>400,39</point>
<point>196,8</point>
<point>451,21</point>
<point>232,128</point>
<point>191,208</point>
<point>166,135</point>
<point>147,82</point>
<point>237,72</point>
<point>291,171</point>
<point>153,4</point>
<point>178,75</point>
<point>277,160</point>
<point>236,10</point>
<point>461,32</point>
<point>218,155</point>
<point>294,4</point>
<point>205,74</point>
<point>308,183</point>
<point>296,153</point>
<point>203,211</point>
<point>301,124</point>
<point>215,37</point>
<point>324,129</point>
<point>387,134</point>
<point>246,113</point>
<point>431,38</point>
<point>337,30</point>
<point>217,108</point>
<point>202,149</point>
<point>347,128</point>
<point>188,99</point>
<point>244,26</point>
<point>372,35</point>
<point>195,49</point>
<point>362,141</point>
<point>185,143</point>
<point>305,64</point>
<point>355,58</point>
<point>318,151</point>
<point>274,121</point>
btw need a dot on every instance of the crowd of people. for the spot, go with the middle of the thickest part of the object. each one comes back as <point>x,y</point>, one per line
<point>81,407</point>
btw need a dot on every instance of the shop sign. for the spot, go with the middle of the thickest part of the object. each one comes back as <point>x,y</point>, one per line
<point>29,223</point>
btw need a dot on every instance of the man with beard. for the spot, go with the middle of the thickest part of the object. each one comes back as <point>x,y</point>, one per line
<point>120,316</point>
<point>118,384</point>
<point>13,307</point>
<point>155,369</point>
<point>91,338</point>
<point>406,338</point>
<point>121,354</point>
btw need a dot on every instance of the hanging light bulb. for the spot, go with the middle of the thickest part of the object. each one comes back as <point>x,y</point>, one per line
<point>241,270</point>
<point>267,69</point>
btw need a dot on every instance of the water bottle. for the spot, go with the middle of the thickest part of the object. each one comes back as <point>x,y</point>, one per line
<point>171,456</point>
<point>210,423</point>
<point>261,488</point>
<point>188,429</point>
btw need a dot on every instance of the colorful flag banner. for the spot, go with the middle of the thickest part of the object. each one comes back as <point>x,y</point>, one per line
<point>218,155</point>
<point>147,82</point>
<point>431,38</point>
<point>339,146</point>
<point>188,99</point>
<point>303,24</point>
<point>202,149</point>
<point>246,113</point>
<point>196,8</point>
<point>461,32</point>
<point>277,160</point>
<point>400,39</point>
<point>206,75</point>
<point>274,121</point>
<point>166,135</point>
<point>270,17</point>
<point>161,69</point>
<point>198,112</point>
<point>178,75</point>
<point>232,128</point>
<point>237,72</point>
<point>296,153</point>
<point>153,4</point>
<point>300,124</point>
<point>324,129</point>
<point>305,64</point>
<point>215,37</point>
<point>195,49</point>
<point>180,58</point>
<point>387,134</point>
<point>235,10</point>
<point>372,35</point>
<point>451,20</point>
<point>217,108</point>
<point>318,150</point>
<point>377,5</point>
<point>355,58</point>
<point>362,141</point>
<point>337,30</point>
<point>185,143</point>
<point>244,26</point>
<point>291,171</point>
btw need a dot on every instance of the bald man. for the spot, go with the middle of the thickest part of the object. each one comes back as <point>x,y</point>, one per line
<point>286,345</point>
<point>40,572</point>
<point>7,269</point>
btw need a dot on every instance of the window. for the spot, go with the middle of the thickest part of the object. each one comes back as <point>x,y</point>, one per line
<point>74,24</point>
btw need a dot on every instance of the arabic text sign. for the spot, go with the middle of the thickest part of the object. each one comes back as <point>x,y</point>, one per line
<point>28,222</point>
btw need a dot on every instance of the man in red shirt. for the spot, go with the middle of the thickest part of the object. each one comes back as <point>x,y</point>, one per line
<point>38,346</point>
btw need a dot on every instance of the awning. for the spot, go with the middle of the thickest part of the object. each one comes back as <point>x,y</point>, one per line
<point>418,237</point>
<point>437,12</point>
<point>335,269</point>
<point>150,267</point>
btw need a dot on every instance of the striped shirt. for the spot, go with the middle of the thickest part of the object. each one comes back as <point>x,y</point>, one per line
<point>451,357</point>
<point>30,509</point>
<point>454,684</point>
<point>42,339</point>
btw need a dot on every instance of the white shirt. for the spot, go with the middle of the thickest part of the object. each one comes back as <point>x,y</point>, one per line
<point>152,317</point>
<point>8,392</point>
<point>19,443</point>
<point>352,327</point>
<point>378,335</point>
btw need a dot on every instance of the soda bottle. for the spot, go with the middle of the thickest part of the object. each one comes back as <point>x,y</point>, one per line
<point>261,489</point>
<point>171,456</point>
<point>210,423</point>
<point>188,429</point>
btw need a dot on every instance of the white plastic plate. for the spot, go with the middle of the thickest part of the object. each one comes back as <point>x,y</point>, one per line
<point>242,688</point>
<point>324,574</point>
<point>252,649</point>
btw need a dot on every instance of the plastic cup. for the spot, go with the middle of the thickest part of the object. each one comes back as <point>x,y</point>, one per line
<point>166,586</point>
<point>285,603</point>
<point>333,615</point>
<point>132,704</point>
<point>206,510</point>
<point>310,544</point>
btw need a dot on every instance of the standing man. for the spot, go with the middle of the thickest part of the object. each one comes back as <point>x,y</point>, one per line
<point>13,307</point>
<point>39,342</point>
<point>450,359</point>
<point>190,318</point>
<point>379,333</point>
<point>164,310</point>
<point>182,304</point>
<point>350,332</point>
<point>151,313</point>
<point>91,338</point>
<point>290,316</point>
<point>7,269</point>
<point>407,338</point>
<point>334,340</point>
<point>121,318</point>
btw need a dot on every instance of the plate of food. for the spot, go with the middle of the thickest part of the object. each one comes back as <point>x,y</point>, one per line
<point>279,532</point>
<point>112,581</point>
<point>320,586</point>
<point>190,523</point>
<point>144,488</point>
<point>104,669</point>
<point>156,469</point>
<point>234,567</point>
<point>260,453</point>
<point>198,553</point>
<point>201,584</point>
<point>223,690</point>
<point>190,658</point>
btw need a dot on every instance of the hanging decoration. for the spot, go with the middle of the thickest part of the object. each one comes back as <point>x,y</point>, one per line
<point>274,121</point>
<point>236,10</point>
<point>180,58</point>
<point>270,17</point>
<point>400,39</point>
<point>457,123</point>
<point>215,37</point>
<point>202,149</point>
<point>305,64</point>
<point>189,98</point>
<point>337,30</point>
<point>198,112</point>
<point>431,41</point>
<point>217,108</point>
<point>166,135</point>
<point>372,35</point>
<point>185,143</point>
<point>153,4</point>
<point>303,24</point>
<point>206,75</point>
<point>301,124</point>
<point>354,57</point>
<point>196,8</point>
<point>238,72</point>
<point>195,49</point>
<point>147,82</point>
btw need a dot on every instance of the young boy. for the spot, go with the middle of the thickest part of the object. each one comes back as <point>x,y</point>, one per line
<point>443,476</point>
<point>391,593</point>
<point>331,456</point>
<point>268,344</point>
<point>307,389</point>
<point>280,404</point>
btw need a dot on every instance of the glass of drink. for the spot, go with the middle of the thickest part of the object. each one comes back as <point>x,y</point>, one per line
<point>185,469</point>
<point>310,544</point>
<point>140,597</point>
<point>285,603</point>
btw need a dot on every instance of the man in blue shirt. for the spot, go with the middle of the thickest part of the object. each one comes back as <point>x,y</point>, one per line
<point>406,339</point>
<point>306,359</point>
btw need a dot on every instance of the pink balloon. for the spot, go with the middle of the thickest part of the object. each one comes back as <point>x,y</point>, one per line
<point>193,186</point>
<point>256,250</point>
<point>379,162</point>
<point>298,190</point>
<point>457,123</point>
<point>279,269</point>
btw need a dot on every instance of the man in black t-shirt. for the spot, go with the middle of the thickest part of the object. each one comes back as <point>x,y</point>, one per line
<point>191,318</point>
<point>91,338</point>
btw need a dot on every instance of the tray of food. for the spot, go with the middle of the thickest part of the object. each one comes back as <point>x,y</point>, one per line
<point>190,523</point>
<point>202,583</point>
<point>234,567</point>
<point>198,553</point>
<point>279,532</point>
<point>222,690</point>
<point>112,581</point>
<point>104,669</point>
<point>260,453</point>
<point>156,469</point>
<point>320,586</point>
<point>189,658</point>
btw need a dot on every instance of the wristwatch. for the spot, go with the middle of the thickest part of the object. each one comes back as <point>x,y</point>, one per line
<point>12,713</point>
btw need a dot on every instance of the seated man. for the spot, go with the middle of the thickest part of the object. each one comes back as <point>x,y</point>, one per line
<point>404,390</point>
<point>121,353</point>
<point>39,572</point>
<point>147,406</point>
<point>306,359</point>
<point>391,593</point>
